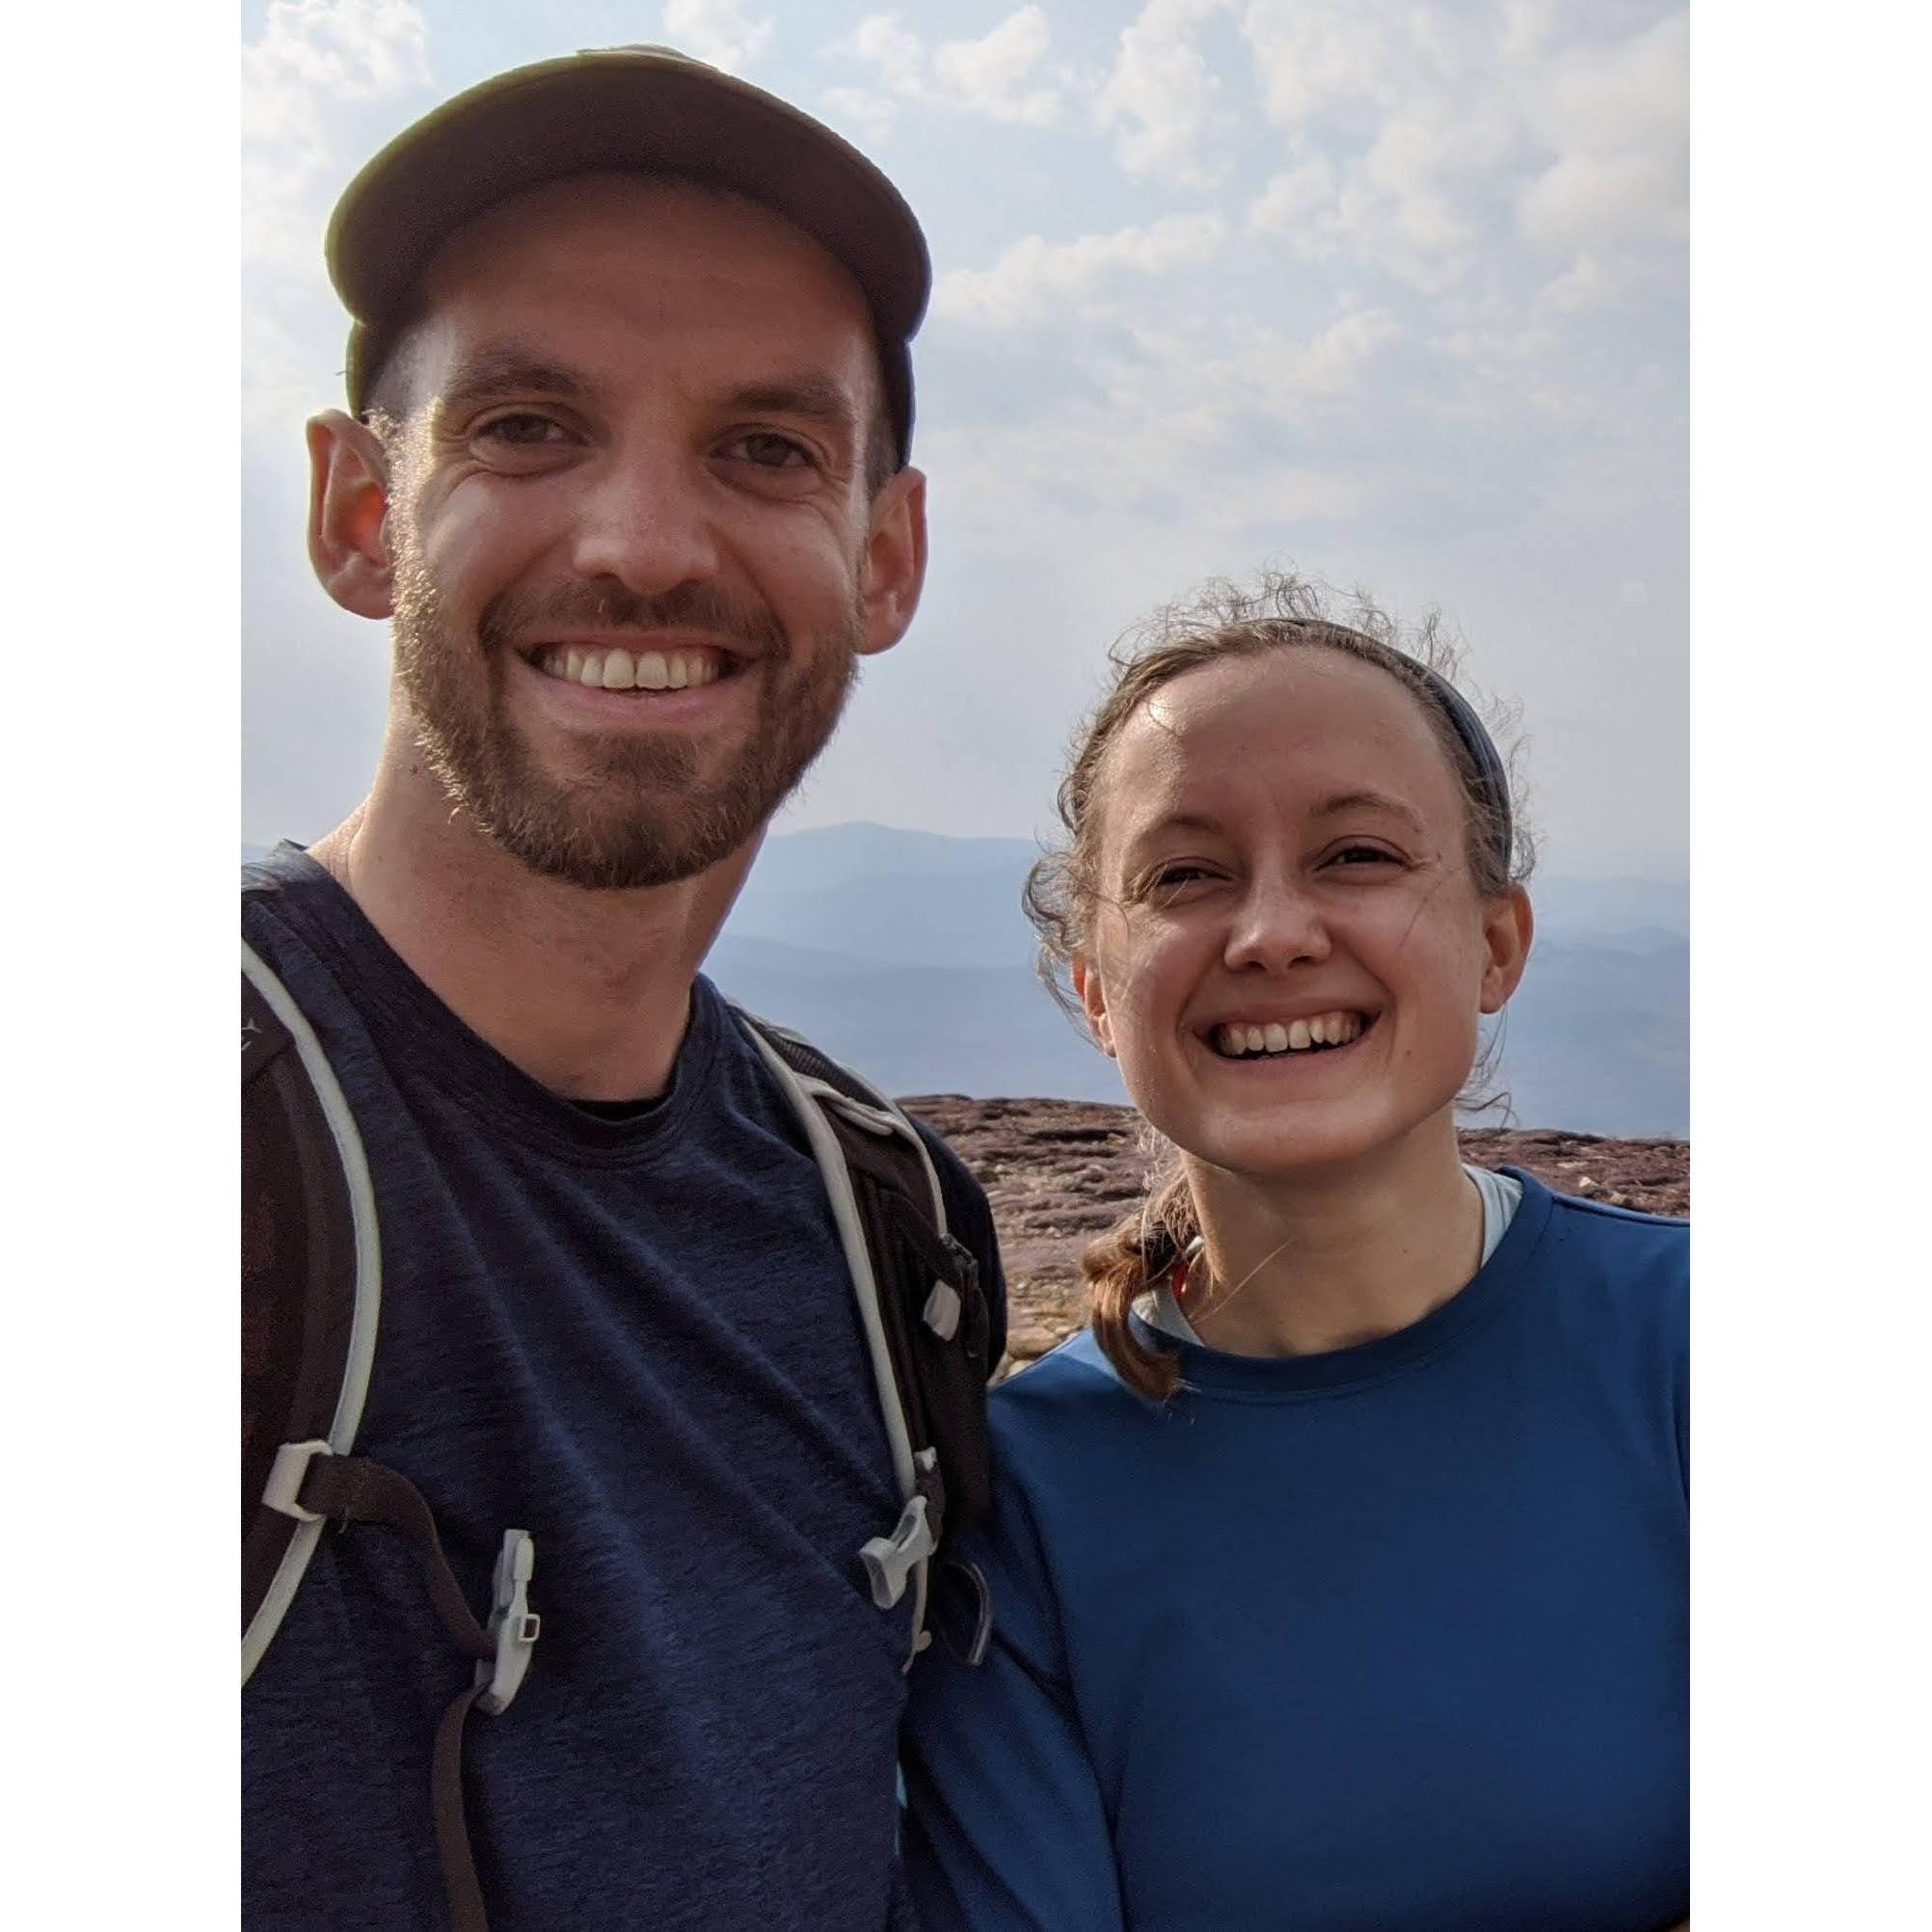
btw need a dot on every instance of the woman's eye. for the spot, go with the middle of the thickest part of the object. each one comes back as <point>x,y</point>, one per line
<point>1363,855</point>
<point>1168,879</point>
<point>770,450</point>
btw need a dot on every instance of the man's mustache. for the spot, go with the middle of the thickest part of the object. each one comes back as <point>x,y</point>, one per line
<point>610,606</point>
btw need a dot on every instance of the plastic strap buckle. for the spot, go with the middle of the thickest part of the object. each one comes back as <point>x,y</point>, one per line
<point>890,1561</point>
<point>285,1477</point>
<point>513,1624</point>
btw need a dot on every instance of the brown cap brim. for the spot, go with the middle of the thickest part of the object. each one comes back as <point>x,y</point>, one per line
<point>616,110</point>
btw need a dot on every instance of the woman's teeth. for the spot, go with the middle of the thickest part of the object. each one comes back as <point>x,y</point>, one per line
<point>1326,1030</point>
<point>614,669</point>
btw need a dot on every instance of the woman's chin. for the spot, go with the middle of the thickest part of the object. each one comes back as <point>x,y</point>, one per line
<point>1264,1150</point>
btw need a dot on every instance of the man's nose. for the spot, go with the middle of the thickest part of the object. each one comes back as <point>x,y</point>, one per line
<point>1276,924</point>
<point>645,520</point>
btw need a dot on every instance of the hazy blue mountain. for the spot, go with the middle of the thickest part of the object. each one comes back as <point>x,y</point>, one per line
<point>836,854</point>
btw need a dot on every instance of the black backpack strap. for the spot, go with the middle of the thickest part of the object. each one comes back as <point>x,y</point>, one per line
<point>311,1297</point>
<point>924,1310</point>
<point>309,1482</point>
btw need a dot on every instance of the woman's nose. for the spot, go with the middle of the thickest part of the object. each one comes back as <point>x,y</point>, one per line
<point>1275,925</point>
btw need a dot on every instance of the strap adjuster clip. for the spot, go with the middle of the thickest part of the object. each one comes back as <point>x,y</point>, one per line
<point>890,1561</point>
<point>513,1624</point>
<point>285,1477</point>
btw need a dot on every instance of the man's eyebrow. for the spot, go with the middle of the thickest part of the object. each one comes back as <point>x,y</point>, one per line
<point>813,398</point>
<point>493,372</point>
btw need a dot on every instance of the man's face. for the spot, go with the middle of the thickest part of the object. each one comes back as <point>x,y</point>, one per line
<point>628,523</point>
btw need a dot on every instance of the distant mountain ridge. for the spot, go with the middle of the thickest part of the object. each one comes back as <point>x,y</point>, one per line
<point>906,953</point>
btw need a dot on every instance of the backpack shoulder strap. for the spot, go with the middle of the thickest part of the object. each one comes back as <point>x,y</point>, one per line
<point>311,1286</point>
<point>921,1305</point>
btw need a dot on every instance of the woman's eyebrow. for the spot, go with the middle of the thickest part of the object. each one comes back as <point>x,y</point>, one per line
<point>1366,799</point>
<point>1171,823</point>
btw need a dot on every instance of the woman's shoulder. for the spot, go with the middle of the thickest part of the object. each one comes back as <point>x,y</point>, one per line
<point>1624,1232</point>
<point>1611,1271</point>
<point>1056,1406</point>
<point>1075,1375</point>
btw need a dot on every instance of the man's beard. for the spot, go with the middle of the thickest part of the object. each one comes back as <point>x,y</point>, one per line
<point>637,811</point>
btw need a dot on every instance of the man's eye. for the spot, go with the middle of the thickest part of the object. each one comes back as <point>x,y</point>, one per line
<point>770,450</point>
<point>524,430</point>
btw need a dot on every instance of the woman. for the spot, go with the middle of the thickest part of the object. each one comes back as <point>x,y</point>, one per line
<point>1339,1570</point>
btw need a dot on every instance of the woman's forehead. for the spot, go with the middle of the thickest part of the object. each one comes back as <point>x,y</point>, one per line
<point>1295,713</point>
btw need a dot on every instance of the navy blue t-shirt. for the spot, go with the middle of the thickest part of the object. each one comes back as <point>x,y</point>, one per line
<point>635,1337</point>
<point>1393,1636</point>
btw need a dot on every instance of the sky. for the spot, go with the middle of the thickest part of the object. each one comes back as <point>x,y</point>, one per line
<point>1393,293</point>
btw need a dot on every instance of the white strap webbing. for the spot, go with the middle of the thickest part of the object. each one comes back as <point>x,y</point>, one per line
<point>806,1104</point>
<point>348,1413</point>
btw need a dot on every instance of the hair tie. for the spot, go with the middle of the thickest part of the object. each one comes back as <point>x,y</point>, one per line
<point>1492,781</point>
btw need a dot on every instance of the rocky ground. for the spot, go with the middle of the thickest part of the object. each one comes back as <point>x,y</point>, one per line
<point>1060,1171</point>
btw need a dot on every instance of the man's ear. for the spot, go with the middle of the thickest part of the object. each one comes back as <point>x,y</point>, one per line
<point>348,500</point>
<point>1092,998</point>
<point>1507,928</point>
<point>894,570</point>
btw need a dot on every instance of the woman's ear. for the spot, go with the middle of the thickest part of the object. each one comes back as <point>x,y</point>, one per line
<point>1092,998</point>
<point>1507,928</point>
<point>348,502</point>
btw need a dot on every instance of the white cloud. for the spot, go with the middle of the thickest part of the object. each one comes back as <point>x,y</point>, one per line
<point>1036,277</point>
<point>1616,121</point>
<point>898,55</point>
<point>988,76</point>
<point>1432,128</point>
<point>717,30</point>
<point>313,57</point>
<point>1296,200</point>
<point>871,112</point>
<point>1162,97</point>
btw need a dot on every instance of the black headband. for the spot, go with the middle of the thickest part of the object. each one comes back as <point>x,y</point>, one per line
<point>1491,782</point>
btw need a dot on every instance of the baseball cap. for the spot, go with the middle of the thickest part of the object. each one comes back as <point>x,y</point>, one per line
<point>615,110</point>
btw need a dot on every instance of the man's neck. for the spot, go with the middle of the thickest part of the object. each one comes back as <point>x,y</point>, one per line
<point>587,992</point>
<point>1335,1257</point>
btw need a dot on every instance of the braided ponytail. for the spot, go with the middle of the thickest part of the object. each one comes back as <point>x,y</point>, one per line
<point>1121,1266</point>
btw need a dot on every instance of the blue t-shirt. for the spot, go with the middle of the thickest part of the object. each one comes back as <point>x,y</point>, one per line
<point>1393,1636</point>
<point>634,1338</point>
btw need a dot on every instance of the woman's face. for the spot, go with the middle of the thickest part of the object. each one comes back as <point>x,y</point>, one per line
<point>1281,868</point>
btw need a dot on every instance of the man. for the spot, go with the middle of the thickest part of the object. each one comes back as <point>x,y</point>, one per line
<point>626,474</point>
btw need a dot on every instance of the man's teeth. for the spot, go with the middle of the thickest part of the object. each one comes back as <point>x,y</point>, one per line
<point>1336,1028</point>
<point>614,669</point>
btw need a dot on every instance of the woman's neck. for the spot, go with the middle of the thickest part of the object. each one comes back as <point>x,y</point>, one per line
<point>1331,1258</point>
